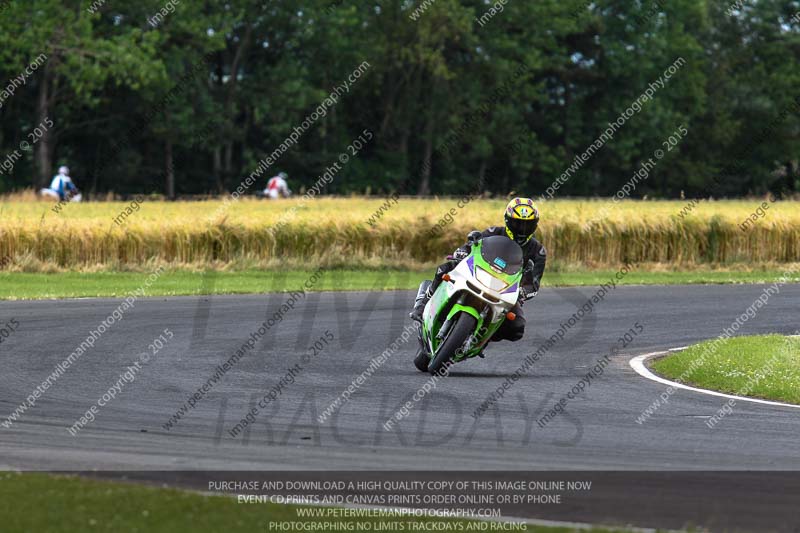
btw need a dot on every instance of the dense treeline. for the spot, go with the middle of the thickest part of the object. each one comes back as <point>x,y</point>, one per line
<point>180,97</point>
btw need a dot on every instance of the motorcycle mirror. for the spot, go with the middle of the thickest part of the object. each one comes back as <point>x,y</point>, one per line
<point>473,236</point>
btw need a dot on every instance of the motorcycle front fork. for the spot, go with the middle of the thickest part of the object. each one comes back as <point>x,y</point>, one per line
<point>472,338</point>
<point>449,322</point>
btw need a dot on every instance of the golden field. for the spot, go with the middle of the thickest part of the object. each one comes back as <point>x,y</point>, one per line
<point>335,232</point>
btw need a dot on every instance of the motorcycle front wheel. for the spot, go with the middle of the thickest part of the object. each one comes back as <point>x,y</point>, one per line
<point>421,360</point>
<point>459,332</point>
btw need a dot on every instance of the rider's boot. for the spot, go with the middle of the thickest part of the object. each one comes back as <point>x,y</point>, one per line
<point>423,295</point>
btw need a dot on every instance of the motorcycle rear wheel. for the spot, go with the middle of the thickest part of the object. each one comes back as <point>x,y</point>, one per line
<point>459,332</point>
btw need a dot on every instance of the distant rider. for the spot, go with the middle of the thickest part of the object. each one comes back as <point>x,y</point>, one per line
<point>521,221</point>
<point>277,187</point>
<point>61,188</point>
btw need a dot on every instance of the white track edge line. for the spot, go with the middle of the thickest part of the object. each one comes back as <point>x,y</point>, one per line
<point>637,363</point>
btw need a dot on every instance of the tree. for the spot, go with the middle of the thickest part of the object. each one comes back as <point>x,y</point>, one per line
<point>80,61</point>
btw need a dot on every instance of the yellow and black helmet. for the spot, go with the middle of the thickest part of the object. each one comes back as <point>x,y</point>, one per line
<point>522,218</point>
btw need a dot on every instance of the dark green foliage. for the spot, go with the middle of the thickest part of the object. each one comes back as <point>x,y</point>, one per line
<point>455,105</point>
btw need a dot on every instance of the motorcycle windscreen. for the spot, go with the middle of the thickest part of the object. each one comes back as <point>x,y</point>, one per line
<point>502,253</point>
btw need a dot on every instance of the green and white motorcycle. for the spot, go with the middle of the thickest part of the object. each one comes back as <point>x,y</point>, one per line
<point>470,304</point>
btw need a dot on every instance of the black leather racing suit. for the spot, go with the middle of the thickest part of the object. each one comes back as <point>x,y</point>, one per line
<point>534,257</point>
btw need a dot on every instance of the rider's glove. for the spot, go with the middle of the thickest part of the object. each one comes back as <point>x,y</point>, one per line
<point>460,253</point>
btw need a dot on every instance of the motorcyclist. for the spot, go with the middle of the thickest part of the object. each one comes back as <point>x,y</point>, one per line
<point>521,221</point>
<point>277,187</point>
<point>61,188</point>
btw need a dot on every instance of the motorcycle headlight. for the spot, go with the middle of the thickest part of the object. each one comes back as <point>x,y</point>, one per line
<point>488,280</point>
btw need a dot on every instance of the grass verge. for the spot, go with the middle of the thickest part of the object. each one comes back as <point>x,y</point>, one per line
<point>760,366</point>
<point>27,286</point>
<point>59,504</point>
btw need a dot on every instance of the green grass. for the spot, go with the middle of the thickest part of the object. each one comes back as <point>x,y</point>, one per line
<point>44,503</point>
<point>761,366</point>
<point>24,285</point>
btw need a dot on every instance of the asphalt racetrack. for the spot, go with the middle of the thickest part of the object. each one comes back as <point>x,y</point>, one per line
<point>597,431</point>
